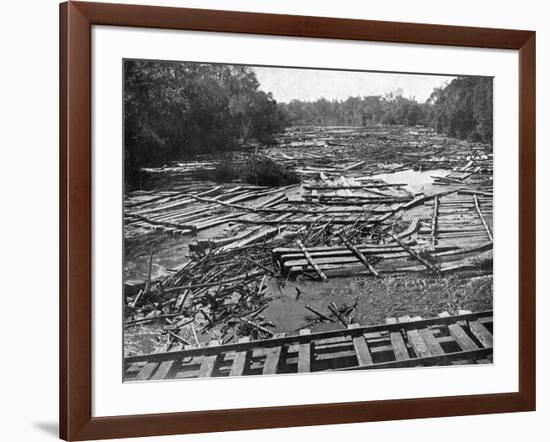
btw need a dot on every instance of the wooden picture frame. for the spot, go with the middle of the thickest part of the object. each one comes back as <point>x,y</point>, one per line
<point>76,21</point>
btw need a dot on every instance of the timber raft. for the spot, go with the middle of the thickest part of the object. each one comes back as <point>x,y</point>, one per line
<point>401,342</point>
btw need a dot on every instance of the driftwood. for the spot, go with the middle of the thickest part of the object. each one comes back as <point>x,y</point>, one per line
<point>318,313</point>
<point>257,327</point>
<point>260,265</point>
<point>178,337</point>
<point>334,309</point>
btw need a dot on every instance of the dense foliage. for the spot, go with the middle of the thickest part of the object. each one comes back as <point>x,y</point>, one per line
<point>265,172</point>
<point>177,109</point>
<point>356,111</point>
<point>463,109</point>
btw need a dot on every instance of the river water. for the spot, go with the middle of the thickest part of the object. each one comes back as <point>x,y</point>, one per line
<point>417,181</point>
<point>287,309</point>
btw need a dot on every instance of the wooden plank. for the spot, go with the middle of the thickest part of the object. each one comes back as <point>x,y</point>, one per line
<point>431,342</point>
<point>239,362</point>
<point>489,233</point>
<point>483,316</point>
<point>352,186</point>
<point>272,357</point>
<point>166,366</point>
<point>399,347</point>
<point>364,248</point>
<point>463,340</point>
<point>304,354</point>
<point>361,348</point>
<point>163,370</point>
<point>311,261</point>
<point>208,362</point>
<point>418,344</point>
<point>415,255</point>
<point>481,333</point>
<point>145,373</point>
<point>434,221</point>
<point>358,255</point>
<point>447,358</point>
<point>250,239</point>
<point>272,360</point>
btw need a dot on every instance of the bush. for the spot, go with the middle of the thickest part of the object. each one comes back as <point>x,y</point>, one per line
<point>225,172</point>
<point>257,170</point>
<point>265,172</point>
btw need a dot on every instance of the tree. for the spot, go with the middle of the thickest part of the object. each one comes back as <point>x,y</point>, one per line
<point>174,109</point>
<point>356,111</point>
<point>463,109</point>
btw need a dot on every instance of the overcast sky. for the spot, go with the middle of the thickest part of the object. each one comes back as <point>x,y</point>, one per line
<point>311,84</point>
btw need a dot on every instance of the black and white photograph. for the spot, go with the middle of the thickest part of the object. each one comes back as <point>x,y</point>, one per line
<point>289,220</point>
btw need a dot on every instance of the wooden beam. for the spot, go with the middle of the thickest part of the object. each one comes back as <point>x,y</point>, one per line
<point>415,255</point>
<point>237,369</point>
<point>481,333</point>
<point>208,362</point>
<point>489,233</point>
<point>388,328</point>
<point>311,261</point>
<point>358,255</point>
<point>434,221</point>
<point>304,354</point>
<point>361,349</point>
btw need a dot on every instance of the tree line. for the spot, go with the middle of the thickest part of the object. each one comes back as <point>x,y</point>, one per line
<point>356,111</point>
<point>461,109</point>
<point>178,109</point>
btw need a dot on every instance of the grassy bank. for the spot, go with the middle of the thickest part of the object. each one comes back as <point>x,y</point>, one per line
<point>378,299</point>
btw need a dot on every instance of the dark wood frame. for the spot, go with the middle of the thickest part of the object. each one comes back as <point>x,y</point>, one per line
<point>76,421</point>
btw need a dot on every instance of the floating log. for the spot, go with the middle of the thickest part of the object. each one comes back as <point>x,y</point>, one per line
<point>358,254</point>
<point>351,186</point>
<point>474,192</point>
<point>489,234</point>
<point>311,261</point>
<point>318,313</point>
<point>415,255</point>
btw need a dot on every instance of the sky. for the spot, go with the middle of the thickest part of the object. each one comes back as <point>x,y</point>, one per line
<point>311,84</point>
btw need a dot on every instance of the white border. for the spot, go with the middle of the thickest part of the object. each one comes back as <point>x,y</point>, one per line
<point>112,397</point>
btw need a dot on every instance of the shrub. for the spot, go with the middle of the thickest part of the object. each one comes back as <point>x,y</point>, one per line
<point>266,172</point>
<point>256,170</point>
<point>224,172</point>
